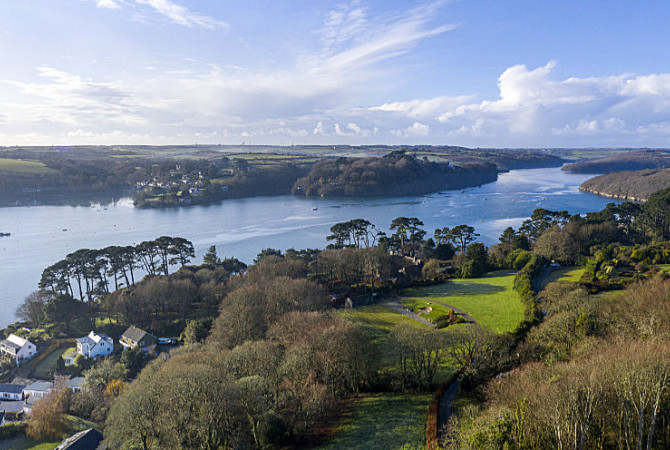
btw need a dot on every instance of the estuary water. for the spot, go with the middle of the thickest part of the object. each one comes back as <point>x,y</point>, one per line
<point>42,235</point>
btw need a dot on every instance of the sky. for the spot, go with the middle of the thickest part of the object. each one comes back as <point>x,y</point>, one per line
<point>476,73</point>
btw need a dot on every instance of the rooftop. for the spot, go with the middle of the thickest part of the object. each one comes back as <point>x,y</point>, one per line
<point>40,386</point>
<point>11,388</point>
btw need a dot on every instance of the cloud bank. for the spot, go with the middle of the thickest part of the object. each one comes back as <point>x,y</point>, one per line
<point>322,96</point>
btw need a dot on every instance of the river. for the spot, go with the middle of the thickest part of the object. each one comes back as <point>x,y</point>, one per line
<point>42,235</point>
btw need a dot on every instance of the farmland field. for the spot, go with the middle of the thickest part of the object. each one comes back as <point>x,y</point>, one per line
<point>564,274</point>
<point>490,300</point>
<point>383,421</point>
<point>24,166</point>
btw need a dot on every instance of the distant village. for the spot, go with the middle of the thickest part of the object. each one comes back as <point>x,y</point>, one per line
<point>183,184</point>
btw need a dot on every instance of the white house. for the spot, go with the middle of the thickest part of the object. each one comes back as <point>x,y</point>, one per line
<point>11,391</point>
<point>95,345</point>
<point>69,356</point>
<point>17,348</point>
<point>76,384</point>
<point>38,389</point>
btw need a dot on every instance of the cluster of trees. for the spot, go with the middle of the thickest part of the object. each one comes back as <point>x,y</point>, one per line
<point>92,270</point>
<point>273,366</point>
<point>395,174</point>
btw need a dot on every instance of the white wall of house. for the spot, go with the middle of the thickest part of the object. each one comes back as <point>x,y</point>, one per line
<point>97,346</point>
<point>11,396</point>
<point>27,351</point>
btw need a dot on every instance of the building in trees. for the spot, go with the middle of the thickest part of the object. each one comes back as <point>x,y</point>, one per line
<point>95,345</point>
<point>134,337</point>
<point>17,349</point>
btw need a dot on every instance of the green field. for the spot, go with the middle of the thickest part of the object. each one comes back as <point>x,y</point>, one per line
<point>45,368</point>
<point>377,319</point>
<point>564,274</point>
<point>24,166</point>
<point>381,421</point>
<point>490,300</point>
<point>418,306</point>
<point>270,159</point>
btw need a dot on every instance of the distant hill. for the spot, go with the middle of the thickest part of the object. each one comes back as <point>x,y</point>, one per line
<point>635,160</point>
<point>630,185</point>
<point>396,174</point>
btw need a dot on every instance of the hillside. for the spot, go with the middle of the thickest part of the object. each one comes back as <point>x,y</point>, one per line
<point>629,185</point>
<point>634,160</point>
<point>396,174</point>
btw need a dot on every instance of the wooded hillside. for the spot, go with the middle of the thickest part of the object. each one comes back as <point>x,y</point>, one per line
<point>635,160</point>
<point>631,185</point>
<point>394,174</point>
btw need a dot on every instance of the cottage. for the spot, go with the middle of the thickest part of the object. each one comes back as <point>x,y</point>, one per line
<point>134,337</point>
<point>38,389</point>
<point>95,345</point>
<point>69,356</point>
<point>11,391</point>
<point>17,348</point>
<point>13,410</point>
<point>76,384</point>
<point>84,440</point>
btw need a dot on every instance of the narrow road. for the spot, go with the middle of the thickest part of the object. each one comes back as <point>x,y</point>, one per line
<point>397,307</point>
<point>537,283</point>
<point>445,408</point>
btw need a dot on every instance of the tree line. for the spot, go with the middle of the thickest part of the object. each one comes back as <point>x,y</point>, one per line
<point>91,271</point>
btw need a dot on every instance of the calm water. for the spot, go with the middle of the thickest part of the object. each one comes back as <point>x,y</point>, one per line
<point>42,235</point>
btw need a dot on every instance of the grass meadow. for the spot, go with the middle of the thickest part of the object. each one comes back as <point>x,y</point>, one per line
<point>490,300</point>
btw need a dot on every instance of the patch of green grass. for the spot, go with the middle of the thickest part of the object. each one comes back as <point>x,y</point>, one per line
<point>45,368</point>
<point>418,306</point>
<point>490,300</point>
<point>100,321</point>
<point>564,274</point>
<point>379,421</point>
<point>24,166</point>
<point>23,442</point>
<point>378,319</point>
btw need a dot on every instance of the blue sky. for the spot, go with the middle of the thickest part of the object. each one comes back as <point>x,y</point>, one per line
<point>474,73</point>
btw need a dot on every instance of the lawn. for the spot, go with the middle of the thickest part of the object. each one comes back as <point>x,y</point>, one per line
<point>377,319</point>
<point>564,274</point>
<point>45,368</point>
<point>74,424</point>
<point>419,306</point>
<point>24,166</point>
<point>374,421</point>
<point>490,300</point>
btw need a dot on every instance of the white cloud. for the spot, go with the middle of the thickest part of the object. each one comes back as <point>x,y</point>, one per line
<point>108,4</point>
<point>414,130</point>
<point>352,129</point>
<point>176,13</point>
<point>424,108</point>
<point>182,15</point>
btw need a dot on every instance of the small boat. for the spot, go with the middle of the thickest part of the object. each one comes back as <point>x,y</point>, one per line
<point>5,234</point>
<point>315,209</point>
